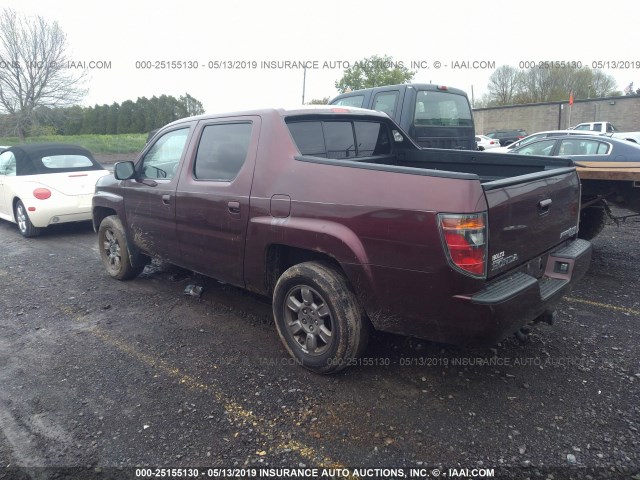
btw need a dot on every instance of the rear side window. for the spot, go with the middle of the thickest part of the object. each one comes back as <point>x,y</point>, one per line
<point>386,102</point>
<point>222,151</point>
<point>341,139</point>
<point>354,101</point>
<point>583,147</point>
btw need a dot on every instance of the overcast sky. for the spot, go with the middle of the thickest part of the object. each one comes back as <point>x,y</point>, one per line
<point>496,32</point>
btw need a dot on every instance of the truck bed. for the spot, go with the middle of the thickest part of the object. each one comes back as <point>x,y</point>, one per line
<point>488,167</point>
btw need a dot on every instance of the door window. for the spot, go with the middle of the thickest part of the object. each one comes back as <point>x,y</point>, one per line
<point>543,147</point>
<point>162,160</point>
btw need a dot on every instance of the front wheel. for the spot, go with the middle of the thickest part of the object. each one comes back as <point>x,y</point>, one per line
<point>318,317</point>
<point>114,250</point>
<point>24,223</point>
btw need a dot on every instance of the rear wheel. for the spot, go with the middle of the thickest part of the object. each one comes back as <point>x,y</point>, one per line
<point>114,250</point>
<point>592,221</point>
<point>24,223</point>
<point>319,318</point>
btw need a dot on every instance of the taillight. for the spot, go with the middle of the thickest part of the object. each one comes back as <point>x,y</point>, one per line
<point>42,193</point>
<point>465,239</point>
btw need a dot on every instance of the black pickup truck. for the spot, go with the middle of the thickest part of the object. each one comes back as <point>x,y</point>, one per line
<point>434,116</point>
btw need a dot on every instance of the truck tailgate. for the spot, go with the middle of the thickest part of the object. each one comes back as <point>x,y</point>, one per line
<point>529,215</point>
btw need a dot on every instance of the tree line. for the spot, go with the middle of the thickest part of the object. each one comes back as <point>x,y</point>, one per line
<point>141,116</point>
<point>513,86</point>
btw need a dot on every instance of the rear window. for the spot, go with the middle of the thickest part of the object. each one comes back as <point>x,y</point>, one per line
<point>442,109</point>
<point>341,139</point>
<point>63,162</point>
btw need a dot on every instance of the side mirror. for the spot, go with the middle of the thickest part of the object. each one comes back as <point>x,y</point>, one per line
<point>124,170</point>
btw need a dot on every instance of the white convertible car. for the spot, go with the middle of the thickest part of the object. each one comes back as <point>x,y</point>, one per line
<point>46,183</point>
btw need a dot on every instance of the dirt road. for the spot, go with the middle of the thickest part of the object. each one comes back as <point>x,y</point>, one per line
<point>97,374</point>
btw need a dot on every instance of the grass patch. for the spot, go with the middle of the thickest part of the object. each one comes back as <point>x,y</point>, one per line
<point>124,143</point>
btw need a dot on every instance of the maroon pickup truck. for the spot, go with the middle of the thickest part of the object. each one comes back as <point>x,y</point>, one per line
<point>347,224</point>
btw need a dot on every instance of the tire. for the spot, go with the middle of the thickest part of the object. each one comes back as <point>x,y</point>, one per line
<point>319,318</point>
<point>114,250</point>
<point>592,220</point>
<point>25,226</point>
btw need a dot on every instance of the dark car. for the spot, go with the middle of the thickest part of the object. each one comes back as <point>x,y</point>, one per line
<point>507,137</point>
<point>608,169</point>
<point>584,148</point>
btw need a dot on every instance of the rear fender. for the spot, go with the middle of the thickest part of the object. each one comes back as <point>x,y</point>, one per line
<point>325,237</point>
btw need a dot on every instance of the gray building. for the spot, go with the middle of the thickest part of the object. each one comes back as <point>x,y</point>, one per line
<point>623,112</point>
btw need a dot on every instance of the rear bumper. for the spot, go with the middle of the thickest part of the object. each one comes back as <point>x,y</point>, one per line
<point>61,209</point>
<point>417,303</point>
<point>510,303</point>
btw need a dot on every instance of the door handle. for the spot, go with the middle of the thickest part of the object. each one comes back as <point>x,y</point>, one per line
<point>234,207</point>
<point>166,199</point>
<point>544,205</point>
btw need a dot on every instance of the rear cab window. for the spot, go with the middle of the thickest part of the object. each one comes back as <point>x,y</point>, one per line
<point>340,139</point>
<point>441,109</point>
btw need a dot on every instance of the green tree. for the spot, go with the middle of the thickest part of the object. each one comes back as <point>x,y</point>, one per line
<point>112,119</point>
<point>125,117</point>
<point>189,106</point>
<point>319,101</point>
<point>510,86</point>
<point>374,71</point>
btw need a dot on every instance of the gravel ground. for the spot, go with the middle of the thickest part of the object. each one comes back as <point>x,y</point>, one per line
<point>98,375</point>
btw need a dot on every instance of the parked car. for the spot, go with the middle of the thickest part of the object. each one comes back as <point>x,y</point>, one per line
<point>583,148</point>
<point>507,137</point>
<point>347,224</point>
<point>47,183</point>
<point>609,169</point>
<point>485,143</point>
<point>539,136</point>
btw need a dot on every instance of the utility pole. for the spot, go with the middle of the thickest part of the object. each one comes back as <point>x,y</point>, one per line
<point>304,83</point>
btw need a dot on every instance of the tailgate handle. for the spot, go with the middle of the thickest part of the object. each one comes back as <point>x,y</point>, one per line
<point>544,205</point>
